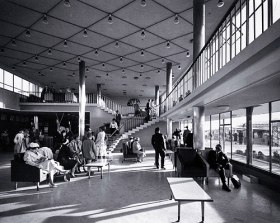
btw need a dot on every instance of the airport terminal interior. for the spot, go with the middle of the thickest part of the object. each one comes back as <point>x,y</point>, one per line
<point>108,73</point>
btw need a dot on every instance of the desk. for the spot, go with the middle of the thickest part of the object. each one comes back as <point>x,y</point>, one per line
<point>99,164</point>
<point>186,189</point>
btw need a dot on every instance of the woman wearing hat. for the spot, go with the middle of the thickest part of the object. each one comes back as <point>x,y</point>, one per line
<point>35,158</point>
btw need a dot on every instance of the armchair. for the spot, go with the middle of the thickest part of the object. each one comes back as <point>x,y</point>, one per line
<point>127,153</point>
<point>211,172</point>
<point>190,163</point>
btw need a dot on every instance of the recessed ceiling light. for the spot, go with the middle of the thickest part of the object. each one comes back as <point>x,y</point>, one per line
<point>27,33</point>
<point>85,34</point>
<point>36,58</point>
<point>65,44</point>
<point>143,3</point>
<point>103,65</point>
<point>117,44</point>
<point>107,74</point>
<point>141,65</point>
<point>50,51</point>
<point>220,3</point>
<point>158,71</point>
<point>14,42</point>
<point>45,19</point>
<point>168,44</point>
<point>142,53</point>
<point>96,52</point>
<point>110,19</point>
<point>143,34</point>
<point>176,19</point>
<point>140,75</point>
<point>67,3</point>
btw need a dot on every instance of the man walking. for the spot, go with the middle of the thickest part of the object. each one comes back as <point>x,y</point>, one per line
<point>159,146</point>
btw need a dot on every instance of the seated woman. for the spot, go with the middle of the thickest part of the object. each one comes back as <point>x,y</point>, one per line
<point>66,159</point>
<point>113,126</point>
<point>34,157</point>
<point>136,148</point>
<point>75,147</point>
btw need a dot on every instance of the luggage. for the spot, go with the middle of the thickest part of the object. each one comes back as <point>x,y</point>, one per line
<point>235,181</point>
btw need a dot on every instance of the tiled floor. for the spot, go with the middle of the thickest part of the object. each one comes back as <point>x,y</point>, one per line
<point>132,192</point>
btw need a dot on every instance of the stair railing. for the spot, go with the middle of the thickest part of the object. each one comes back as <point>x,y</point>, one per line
<point>133,122</point>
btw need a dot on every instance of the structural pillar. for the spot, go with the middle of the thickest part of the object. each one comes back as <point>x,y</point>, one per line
<point>198,34</point>
<point>99,94</point>
<point>198,128</point>
<point>168,85</point>
<point>249,134</point>
<point>82,99</point>
<point>169,128</point>
<point>157,99</point>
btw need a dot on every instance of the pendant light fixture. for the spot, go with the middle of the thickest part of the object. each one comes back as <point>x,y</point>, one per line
<point>143,3</point>
<point>50,51</point>
<point>188,53</point>
<point>87,69</point>
<point>220,3</point>
<point>96,52</point>
<point>2,50</point>
<point>179,67</point>
<point>110,19</point>
<point>67,3</point>
<point>176,19</point>
<point>14,42</point>
<point>51,69</point>
<point>65,44</point>
<point>162,60</point>
<point>142,66</point>
<point>36,58</point>
<point>27,33</point>
<point>64,64</point>
<point>24,63</point>
<point>117,44</point>
<point>103,65</point>
<point>168,44</point>
<point>79,59</point>
<point>121,59</point>
<point>142,53</point>
<point>143,34</point>
<point>45,19</point>
<point>85,34</point>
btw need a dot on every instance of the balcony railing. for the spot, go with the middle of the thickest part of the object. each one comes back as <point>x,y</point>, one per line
<point>69,97</point>
<point>242,24</point>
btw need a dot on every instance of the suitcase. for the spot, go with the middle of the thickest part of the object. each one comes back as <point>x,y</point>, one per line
<point>235,181</point>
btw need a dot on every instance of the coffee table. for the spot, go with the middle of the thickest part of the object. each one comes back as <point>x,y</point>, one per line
<point>99,164</point>
<point>186,189</point>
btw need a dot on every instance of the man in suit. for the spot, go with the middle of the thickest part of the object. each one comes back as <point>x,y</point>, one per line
<point>219,161</point>
<point>159,146</point>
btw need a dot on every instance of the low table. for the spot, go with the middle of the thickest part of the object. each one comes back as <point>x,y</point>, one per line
<point>186,189</point>
<point>99,164</point>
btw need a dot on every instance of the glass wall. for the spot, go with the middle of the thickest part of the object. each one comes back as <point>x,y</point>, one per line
<point>225,132</point>
<point>214,130</point>
<point>238,133</point>
<point>207,131</point>
<point>260,122</point>
<point>275,136</point>
<point>16,84</point>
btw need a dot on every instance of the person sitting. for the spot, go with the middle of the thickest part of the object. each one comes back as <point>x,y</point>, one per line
<point>75,148</point>
<point>113,127</point>
<point>219,162</point>
<point>66,159</point>
<point>89,149</point>
<point>34,157</point>
<point>136,148</point>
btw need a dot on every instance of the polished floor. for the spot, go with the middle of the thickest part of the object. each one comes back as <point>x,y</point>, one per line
<point>131,192</point>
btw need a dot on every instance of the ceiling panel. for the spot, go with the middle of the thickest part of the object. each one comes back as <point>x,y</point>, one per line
<point>17,14</point>
<point>56,28</point>
<point>187,15</point>
<point>117,30</point>
<point>126,62</point>
<point>69,66</point>
<point>162,50</point>
<point>8,61</point>
<point>137,56</point>
<point>185,41</point>
<point>38,5</point>
<point>168,30</point>
<point>158,63</point>
<point>143,16</point>
<point>26,47</point>
<point>73,13</point>
<point>176,5</point>
<point>40,39</point>
<point>88,62</point>
<point>140,42</point>
<point>122,49</point>
<point>106,68</point>
<point>91,38</point>
<point>10,30</point>
<point>58,55</point>
<point>108,5</point>
<point>32,66</point>
<point>102,56</point>
<point>4,40</point>
<point>72,48</point>
<point>44,60</point>
<point>16,54</point>
<point>139,69</point>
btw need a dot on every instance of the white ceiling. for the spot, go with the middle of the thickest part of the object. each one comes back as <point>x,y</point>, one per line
<point>129,19</point>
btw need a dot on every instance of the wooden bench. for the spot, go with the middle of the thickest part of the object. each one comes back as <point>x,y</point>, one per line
<point>186,189</point>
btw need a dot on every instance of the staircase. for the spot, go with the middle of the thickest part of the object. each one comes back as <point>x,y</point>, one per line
<point>117,138</point>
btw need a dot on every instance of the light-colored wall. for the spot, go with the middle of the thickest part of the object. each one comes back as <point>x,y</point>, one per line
<point>9,100</point>
<point>145,135</point>
<point>123,101</point>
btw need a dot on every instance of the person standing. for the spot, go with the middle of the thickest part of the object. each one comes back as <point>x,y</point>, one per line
<point>100,143</point>
<point>159,146</point>
<point>185,135</point>
<point>118,118</point>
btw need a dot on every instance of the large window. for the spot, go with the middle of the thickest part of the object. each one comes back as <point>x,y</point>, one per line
<point>8,81</point>
<point>275,136</point>
<point>1,78</point>
<point>260,122</point>
<point>225,132</point>
<point>215,130</point>
<point>238,135</point>
<point>276,10</point>
<point>207,131</point>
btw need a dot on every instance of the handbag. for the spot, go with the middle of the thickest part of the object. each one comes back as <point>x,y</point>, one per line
<point>235,181</point>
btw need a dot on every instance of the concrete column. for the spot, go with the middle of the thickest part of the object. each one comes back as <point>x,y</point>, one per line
<point>198,128</point>
<point>157,99</point>
<point>98,94</point>
<point>169,128</point>
<point>198,34</point>
<point>161,106</point>
<point>249,134</point>
<point>82,99</point>
<point>168,84</point>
